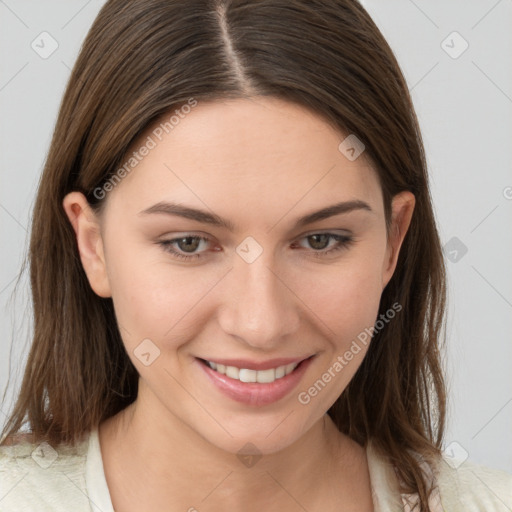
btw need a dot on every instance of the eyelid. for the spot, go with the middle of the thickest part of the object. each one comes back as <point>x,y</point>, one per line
<point>323,232</point>
<point>334,232</point>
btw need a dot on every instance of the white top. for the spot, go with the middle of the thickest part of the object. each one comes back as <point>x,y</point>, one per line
<point>39,478</point>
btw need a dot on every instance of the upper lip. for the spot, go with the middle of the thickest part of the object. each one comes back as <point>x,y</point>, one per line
<point>258,365</point>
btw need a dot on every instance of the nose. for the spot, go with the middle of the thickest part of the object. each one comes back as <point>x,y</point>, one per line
<point>259,308</point>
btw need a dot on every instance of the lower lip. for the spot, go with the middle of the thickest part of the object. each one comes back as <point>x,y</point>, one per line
<point>255,393</point>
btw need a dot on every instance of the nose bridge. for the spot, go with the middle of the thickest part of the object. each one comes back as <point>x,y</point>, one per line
<point>258,307</point>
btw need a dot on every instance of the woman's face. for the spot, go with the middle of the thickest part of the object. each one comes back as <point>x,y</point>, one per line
<point>211,251</point>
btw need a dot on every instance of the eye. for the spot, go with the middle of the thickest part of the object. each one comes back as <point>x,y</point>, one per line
<point>185,247</point>
<point>189,247</point>
<point>319,242</point>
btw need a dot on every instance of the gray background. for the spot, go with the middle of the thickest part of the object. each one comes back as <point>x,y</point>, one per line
<point>464,104</point>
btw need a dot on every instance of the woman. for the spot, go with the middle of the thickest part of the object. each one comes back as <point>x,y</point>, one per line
<point>237,279</point>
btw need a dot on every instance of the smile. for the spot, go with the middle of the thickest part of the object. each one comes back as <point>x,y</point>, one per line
<point>247,375</point>
<point>255,387</point>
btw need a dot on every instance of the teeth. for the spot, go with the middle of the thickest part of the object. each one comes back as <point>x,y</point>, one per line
<point>246,375</point>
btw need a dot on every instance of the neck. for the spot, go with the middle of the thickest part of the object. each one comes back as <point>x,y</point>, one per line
<point>158,459</point>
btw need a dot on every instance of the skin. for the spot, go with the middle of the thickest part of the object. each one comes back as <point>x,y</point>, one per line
<point>260,163</point>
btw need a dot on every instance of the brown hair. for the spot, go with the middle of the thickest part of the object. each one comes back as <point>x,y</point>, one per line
<point>142,58</point>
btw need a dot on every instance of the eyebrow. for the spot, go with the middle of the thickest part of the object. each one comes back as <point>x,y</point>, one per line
<point>169,208</point>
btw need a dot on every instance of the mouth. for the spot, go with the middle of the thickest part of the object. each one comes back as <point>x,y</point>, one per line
<point>248,375</point>
<point>254,387</point>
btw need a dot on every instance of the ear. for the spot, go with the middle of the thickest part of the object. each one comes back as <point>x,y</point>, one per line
<point>402,207</point>
<point>89,240</point>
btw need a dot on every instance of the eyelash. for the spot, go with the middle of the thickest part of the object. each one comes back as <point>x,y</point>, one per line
<point>343,242</point>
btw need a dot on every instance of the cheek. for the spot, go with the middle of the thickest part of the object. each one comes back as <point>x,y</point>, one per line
<point>346,300</point>
<point>344,296</point>
<point>153,298</point>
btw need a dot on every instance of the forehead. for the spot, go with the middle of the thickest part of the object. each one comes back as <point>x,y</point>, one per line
<point>245,153</point>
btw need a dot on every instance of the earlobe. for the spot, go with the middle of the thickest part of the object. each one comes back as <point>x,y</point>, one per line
<point>89,241</point>
<point>401,215</point>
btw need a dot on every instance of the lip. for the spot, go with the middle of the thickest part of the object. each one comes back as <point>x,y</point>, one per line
<point>255,393</point>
